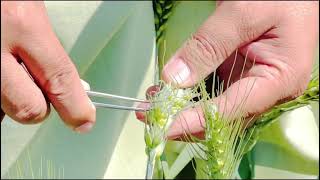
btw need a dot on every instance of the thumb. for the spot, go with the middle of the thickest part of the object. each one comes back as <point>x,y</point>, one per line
<point>241,101</point>
<point>216,39</point>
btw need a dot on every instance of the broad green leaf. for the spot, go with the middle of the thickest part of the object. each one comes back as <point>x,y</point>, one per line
<point>246,167</point>
<point>263,172</point>
<point>113,45</point>
<point>291,143</point>
<point>183,158</point>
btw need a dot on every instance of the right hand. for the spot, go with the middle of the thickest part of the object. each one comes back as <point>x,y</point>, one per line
<point>276,42</point>
<point>26,36</point>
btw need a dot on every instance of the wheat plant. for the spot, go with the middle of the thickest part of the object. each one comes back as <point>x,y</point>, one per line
<point>26,170</point>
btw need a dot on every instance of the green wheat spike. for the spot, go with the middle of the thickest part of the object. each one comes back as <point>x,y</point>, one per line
<point>165,105</point>
<point>162,12</point>
<point>227,141</point>
<point>223,142</point>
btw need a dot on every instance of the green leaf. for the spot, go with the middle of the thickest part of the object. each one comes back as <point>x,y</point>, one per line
<point>112,45</point>
<point>246,167</point>
<point>290,143</point>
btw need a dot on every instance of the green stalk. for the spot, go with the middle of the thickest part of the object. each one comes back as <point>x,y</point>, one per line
<point>150,165</point>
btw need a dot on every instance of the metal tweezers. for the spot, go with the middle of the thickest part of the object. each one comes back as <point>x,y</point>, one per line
<point>114,106</point>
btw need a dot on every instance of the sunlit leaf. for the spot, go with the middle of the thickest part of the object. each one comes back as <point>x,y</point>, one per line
<point>113,45</point>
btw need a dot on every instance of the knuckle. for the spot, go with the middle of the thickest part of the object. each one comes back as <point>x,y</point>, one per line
<point>15,14</point>
<point>212,50</point>
<point>245,29</point>
<point>239,5</point>
<point>22,16</point>
<point>31,113</point>
<point>244,23</point>
<point>241,9</point>
<point>59,83</point>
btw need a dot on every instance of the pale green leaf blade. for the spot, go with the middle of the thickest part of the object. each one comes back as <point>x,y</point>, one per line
<point>113,46</point>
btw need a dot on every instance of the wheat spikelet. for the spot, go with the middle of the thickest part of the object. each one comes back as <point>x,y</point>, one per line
<point>164,106</point>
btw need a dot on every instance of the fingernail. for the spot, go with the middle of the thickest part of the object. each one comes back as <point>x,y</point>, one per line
<point>176,71</point>
<point>140,115</point>
<point>84,128</point>
<point>85,85</point>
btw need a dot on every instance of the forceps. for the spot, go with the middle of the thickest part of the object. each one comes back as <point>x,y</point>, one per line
<point>114,106</point>
<point>103,95</point>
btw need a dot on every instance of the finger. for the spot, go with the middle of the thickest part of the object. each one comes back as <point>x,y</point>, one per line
<point>242,99</point>
<point>21,99</point>
<point>230,27</point>
<point>188,122</point>
<point>152,90</point>
<point>55,73</point>
<point>218,3</point>
<point>189,137</point>
<point>140,115</point>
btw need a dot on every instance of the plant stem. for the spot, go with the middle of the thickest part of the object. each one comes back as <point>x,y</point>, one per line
<point>150,164</point>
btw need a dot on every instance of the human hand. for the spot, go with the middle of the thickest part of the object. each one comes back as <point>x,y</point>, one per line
<point>278,41</point>
<point>26,36</point>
